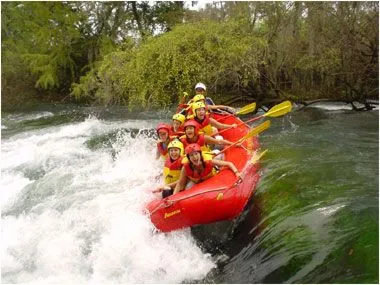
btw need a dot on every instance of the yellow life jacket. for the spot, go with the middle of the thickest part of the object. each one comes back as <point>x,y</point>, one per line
<point>172,170</point>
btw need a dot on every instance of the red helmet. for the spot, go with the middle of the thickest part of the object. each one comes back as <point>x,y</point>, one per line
<point>163,126</point>
<point>192,147</point>
<point>192,123</point>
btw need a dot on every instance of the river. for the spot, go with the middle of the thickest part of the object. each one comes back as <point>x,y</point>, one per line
<point>74,182</point>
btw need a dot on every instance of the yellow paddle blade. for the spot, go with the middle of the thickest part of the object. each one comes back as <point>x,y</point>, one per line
<point>257,156</point>
<point>256,130</point>
<point>246,109</point>
<point>279,110</point>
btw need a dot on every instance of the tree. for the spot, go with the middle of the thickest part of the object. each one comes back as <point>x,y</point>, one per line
<point>41,34</point>
<point>163,67</point>
<point>57,42</point>
<point>146,54</point>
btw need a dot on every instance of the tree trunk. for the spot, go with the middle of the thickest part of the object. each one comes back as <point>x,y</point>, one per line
<point>137,18</point>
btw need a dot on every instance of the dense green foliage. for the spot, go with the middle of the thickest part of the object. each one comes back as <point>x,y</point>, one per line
<point>40,37</point>
<point>142,54</point>
<point>163,67</point>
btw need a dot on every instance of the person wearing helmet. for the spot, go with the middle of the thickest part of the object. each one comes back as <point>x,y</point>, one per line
<point>200,95</point>
<point>200,90</point>
<point>177,128</point>
<point>163,133</point>
<point>172,168</point>
<point>208,125</point>
<point>197,168</point>
<point>199,98</point>
<point>192,135</point>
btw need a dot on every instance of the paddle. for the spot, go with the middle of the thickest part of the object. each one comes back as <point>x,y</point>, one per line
<point>242,111</point>
<point>253,132</point>
<point>182,101</point>
<point>276,111</point>
<point>247,109</point>
<point>257,156</point>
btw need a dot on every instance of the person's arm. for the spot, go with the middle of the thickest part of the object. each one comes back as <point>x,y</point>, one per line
<point>211,140</point>
<point>181,182</point>
<point>219,125</point>
<point>222,107</point>
<point>157,154</point>
<point>229,164</point>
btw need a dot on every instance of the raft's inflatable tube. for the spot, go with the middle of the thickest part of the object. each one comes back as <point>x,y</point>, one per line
<point>218,198</point>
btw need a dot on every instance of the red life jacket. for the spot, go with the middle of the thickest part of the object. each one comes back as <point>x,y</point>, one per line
<point>200,140</point>
<point>206,127</point>
<point>178,134</point>
<point>205,122</point>
<point>196,177</point>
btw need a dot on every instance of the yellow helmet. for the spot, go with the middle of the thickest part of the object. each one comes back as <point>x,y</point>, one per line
<point>179,117</point>
<point>198,97</point>
<point>197,105</point>
<point>176,144</point>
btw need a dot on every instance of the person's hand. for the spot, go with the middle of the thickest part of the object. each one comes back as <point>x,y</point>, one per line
<point>223,112</point>
<point>231,110</point>
<point>239,177</point>
<point>161,188</point>
<point>157,190</point>
<point>239,144</point>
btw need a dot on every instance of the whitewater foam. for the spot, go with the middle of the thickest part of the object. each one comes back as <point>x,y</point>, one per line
<point>75,215</point>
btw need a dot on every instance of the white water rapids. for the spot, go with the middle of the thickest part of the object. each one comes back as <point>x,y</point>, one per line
<point>74,214</point>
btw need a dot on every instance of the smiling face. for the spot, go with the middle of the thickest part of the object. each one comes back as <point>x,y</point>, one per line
<point>174,153</point>
<point>195,158</point>
<point>190,132</point>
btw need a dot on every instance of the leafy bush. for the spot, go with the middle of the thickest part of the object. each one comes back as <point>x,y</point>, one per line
<point>163,67</point>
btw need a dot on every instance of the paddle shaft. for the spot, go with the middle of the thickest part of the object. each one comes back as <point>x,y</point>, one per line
<point>242,123</point>
<point>181,102</point>
<point>251,133</point>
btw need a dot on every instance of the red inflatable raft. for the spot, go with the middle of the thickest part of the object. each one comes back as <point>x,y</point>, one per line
<point>218,198</point>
